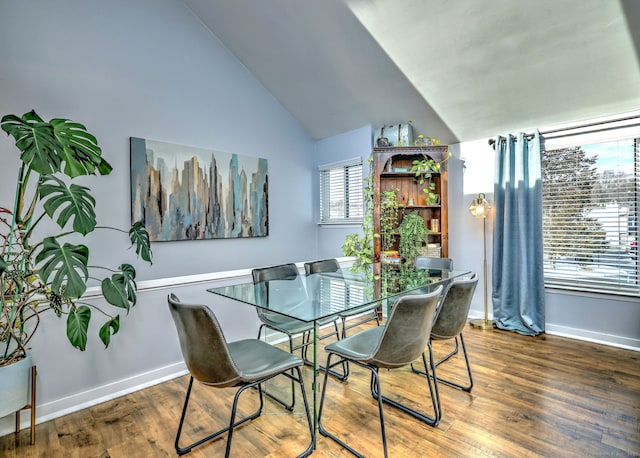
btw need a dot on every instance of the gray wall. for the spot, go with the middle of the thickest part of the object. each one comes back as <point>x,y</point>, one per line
<point>349,145</point>
<point>150,69</point>
<point>147,69</point>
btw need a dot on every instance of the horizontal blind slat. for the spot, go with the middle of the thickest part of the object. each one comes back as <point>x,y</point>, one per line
<point>590,206</point>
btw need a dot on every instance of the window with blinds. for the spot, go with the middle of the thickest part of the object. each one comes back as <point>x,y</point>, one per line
<point>341,192</point>
<point>591,197</point>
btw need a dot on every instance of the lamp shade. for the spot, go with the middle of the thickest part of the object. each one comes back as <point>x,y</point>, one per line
<point>479,206</point>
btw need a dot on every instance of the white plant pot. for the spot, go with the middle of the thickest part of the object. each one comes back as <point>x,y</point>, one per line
<point>15,388</point>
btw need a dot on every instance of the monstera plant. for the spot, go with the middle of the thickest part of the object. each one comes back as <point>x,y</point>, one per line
<point>41,268</point>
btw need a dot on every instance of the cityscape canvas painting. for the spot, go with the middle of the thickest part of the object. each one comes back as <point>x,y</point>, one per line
<point>187,193</point>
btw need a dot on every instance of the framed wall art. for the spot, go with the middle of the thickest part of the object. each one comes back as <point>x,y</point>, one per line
<point>187,193</point>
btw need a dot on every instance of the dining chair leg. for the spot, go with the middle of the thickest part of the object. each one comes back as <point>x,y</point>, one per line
<point>294,379</point>
<point>287,406</point>
<point>321,428</point>
<point>188,448</point>
<point>375,380</point>
<point>433,392</point>
<point>466,388</point>
<point>375,383</point>
<point>306,343</point>
<point>307,410</point>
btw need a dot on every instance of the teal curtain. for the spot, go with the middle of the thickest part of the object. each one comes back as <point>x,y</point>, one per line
<point>518,270</point>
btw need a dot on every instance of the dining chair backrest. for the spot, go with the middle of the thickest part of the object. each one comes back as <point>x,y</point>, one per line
<point>203,344</point>
<point>323,266</point>
<point>407,330</point>
<point>424,262</point>
<point>454,311</point>
<point>279,272</point>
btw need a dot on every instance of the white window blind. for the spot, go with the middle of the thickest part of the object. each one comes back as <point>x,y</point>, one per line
<point>341,192</point>
<point>335,295</point>
<point>591,197</point>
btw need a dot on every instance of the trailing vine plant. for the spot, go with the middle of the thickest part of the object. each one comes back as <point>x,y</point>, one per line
<point>360,246</point>
<point>413,235</point>
<point>388,218</point>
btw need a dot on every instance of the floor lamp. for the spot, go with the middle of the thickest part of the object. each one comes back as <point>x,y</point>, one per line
<point>480,209</point>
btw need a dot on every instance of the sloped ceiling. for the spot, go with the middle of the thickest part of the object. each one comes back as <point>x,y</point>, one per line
<point>459,70</point>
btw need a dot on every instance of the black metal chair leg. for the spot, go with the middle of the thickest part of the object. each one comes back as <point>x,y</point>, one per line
<point>376,384</point>
<point>321,428</point>
<point>273,397</point>
<point>232,424</point>
<point>433,391</point>
<point>305,345</point>
<point>307,410</point>
<point>466,388</point>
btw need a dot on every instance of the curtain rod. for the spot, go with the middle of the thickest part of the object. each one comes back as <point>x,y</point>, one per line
<point>583,126</point>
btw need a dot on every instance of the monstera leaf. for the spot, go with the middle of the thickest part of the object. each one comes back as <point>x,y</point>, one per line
<point>38,269</point>
<point>108,329</point>
<point>120,289</point>
<point>77,326</point>
<point>65,267</point>
<point>140,238</point>
<point>75,202</point>
<point>34,138</point>
<point>45,146</point>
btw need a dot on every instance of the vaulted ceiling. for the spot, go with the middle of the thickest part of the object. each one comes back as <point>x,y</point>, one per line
<point>459,70</point>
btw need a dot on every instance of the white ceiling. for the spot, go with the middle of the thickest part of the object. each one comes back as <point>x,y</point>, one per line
<point>459,70</point>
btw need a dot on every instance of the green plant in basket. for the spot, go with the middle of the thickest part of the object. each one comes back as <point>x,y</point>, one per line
<point>41,267</point>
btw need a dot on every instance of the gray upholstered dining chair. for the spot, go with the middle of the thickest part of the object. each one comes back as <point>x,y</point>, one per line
<point>364,314</point>
<point>400,341</point>
<point>450,322</point>
<point>214,362</point>
<point>425,262</point>
<point>280,323</point>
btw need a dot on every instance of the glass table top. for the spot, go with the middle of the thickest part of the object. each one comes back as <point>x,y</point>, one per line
<point>322,295</point>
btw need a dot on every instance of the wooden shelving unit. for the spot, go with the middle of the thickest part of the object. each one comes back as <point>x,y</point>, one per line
<point>385,160</point>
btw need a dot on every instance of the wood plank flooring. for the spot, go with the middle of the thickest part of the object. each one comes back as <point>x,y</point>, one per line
<point>546,396</point>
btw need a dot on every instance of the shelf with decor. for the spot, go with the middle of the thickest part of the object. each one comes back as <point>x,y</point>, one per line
<point>423,193</point>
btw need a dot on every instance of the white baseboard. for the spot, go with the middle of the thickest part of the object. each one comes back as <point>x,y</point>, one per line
<point>96,396</point>
<point>595,337</point>
<point>587,336</point>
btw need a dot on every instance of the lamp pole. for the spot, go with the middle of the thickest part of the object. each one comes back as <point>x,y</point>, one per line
<point>479,208</point>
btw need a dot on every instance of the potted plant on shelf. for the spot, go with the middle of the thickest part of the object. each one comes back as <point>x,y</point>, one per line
<point>424,169</point>
<point>42,269</point>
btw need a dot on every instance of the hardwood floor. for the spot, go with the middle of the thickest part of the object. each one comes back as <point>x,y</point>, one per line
<point>546,396</point>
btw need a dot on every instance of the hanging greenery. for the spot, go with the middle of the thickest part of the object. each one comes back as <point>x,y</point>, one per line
<point>413,235</point>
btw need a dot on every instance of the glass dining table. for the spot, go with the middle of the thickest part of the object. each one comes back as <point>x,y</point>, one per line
<point>315,298</point>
